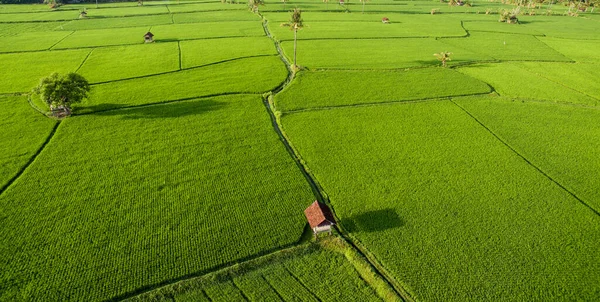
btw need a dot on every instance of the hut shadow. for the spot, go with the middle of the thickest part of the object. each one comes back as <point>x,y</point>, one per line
<point>373,221</point>
<point>156,111</point>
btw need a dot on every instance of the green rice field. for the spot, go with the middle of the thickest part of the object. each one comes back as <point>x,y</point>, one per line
<point>185,173</point>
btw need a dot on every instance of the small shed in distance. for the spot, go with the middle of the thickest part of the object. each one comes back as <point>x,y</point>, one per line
<point>148,37</point>
<point>385,20</point>
<point>319,218</point>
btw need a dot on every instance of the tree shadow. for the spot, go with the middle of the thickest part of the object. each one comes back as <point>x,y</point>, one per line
<point>373,221</point>
<point>154,111</point>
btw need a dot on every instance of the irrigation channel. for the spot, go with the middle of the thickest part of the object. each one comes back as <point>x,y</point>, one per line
<point>320,195</point>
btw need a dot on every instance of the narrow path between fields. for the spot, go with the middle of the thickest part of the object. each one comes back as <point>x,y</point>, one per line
<point>314,184</point>
<point>31,160</point>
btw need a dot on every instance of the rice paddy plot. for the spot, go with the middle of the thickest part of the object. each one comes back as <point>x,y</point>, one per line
<point>127,11</point>
<point>104,37</point>
<point>339,88</point>
<point>239,76</point>
<point>370,30</point>
<point>20,28</point>
<point>318,16</point>
<point>22,8</point>
<point>23,71</point>
<point>579,77</point>
<point>510,47</point>
<point>559,139</point>
<point>215,16</point>
<point>122,62</point>
<point>309,274</point>
<point>101,23</point>
<point>23,133</point>
<point>447,208</point>
<point>165,192</point>
<point>207,30</point>
<point>208,6</point>
<point>577,50</point>
<point>305,7</point>
<point>499,27</point>
<point>375,53</point>
<point>30,41</point>
<point>41,16</point>
<point>425,10</point>
<point>202,52</point>
<point>567,28</point>
<point>514,80</point>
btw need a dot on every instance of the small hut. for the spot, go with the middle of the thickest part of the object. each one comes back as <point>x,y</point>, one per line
<point>82,14</point>
<point>385,20</point>
<point>341,2</point>
<point>148,37</point>
<point>319,218</point>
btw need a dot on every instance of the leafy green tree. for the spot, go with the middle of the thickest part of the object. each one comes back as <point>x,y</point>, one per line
<point>253,5</point>
<point>295,24</point>
<point>60,91</point>
<point>443,56</point>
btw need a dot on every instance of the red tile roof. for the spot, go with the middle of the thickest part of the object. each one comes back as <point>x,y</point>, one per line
<point>318,213</point>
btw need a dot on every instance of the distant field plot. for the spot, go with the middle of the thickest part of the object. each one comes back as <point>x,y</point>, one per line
<point>449,210</point>
<point>375,53</point>
<point>23,71</point>
<point>577,50</point>
<point>562,140</point>
<point>100,23</point>
<point>580,77</point>
<point>23,8</point>
<point>127,11</point>
<point>305,6</point>
<point>568,28</point>
<point>212,6</point>
<point>216,16</point>
<point>369,30</point>
<point>499,27</point>
<point>121,62</point>
<point>20,28</point>
<point>104,37</point>
<point>395,17</point>
<point>159,193</point>
<point>30,41</point>
<point>336,88</point>
<point>23,133</point>
<point>307,273</point>
<point>512,47</point>
<point>239,76</point>
<point>41,16</point>
<point>201,52</point>
<point>515,81</point>
<point>207,30</point>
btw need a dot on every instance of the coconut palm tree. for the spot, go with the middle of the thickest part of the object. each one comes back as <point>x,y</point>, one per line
<point>443,56</point>
<point>253,5</point>
<point>363,5</point>
<point>295,24</point>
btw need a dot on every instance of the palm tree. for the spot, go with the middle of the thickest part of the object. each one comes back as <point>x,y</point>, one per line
<point>295,24</point>
<point>363,6</point>
<point>253,4</point>
<point>443,56</point>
